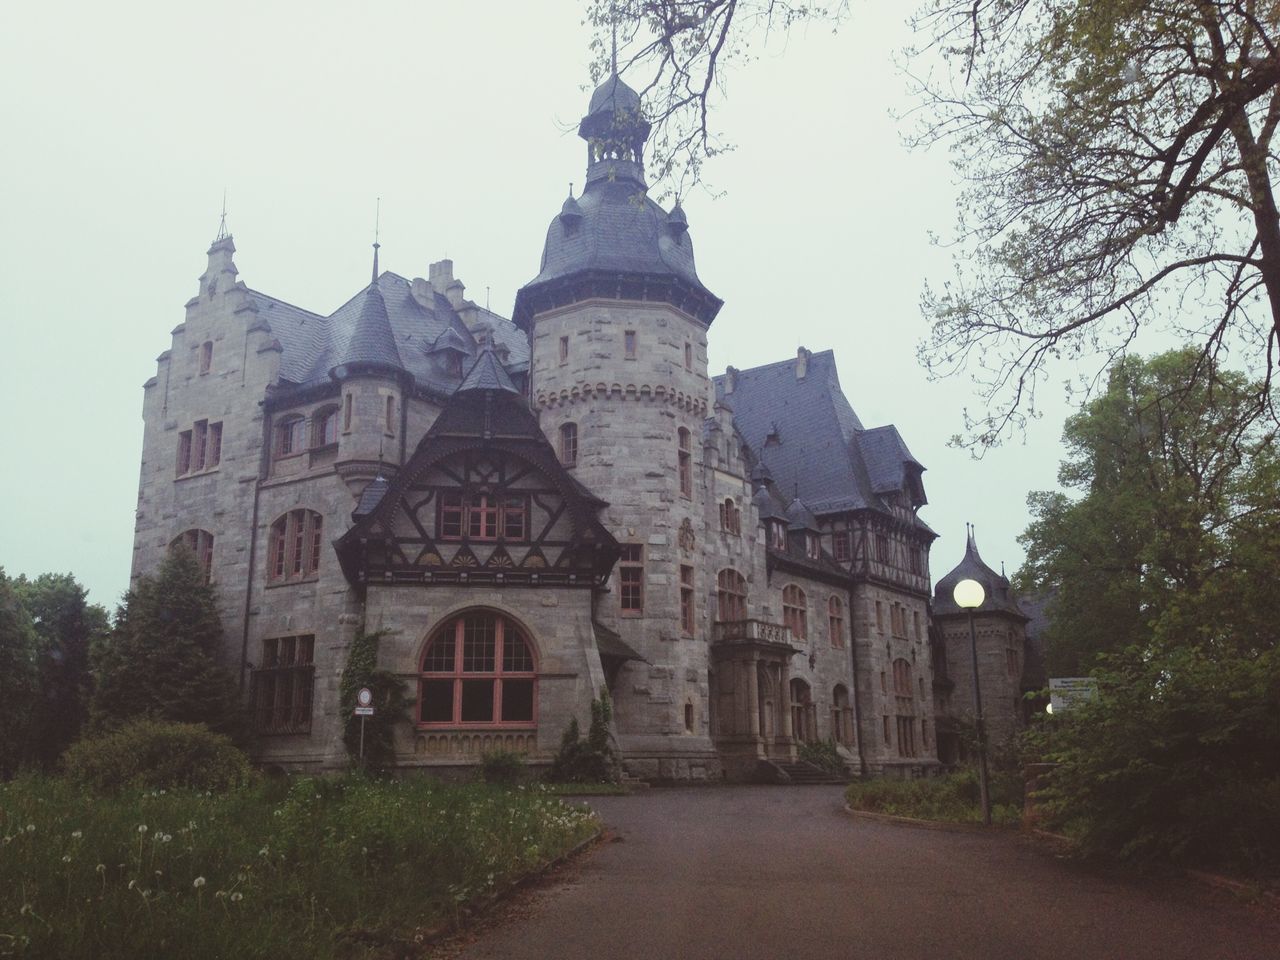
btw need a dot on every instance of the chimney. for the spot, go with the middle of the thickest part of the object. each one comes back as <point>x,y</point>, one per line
<point>802,363</point>
<point>441,275</point>
<point>454,291</point>
<point>730,379</point>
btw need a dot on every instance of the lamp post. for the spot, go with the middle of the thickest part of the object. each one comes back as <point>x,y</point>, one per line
<point>969,595</point>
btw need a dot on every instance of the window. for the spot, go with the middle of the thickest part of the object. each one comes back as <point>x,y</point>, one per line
<point>924,733</point>
<point>294,550</point>
<point>631,580</point>
<point>688,356</point>
<point>390,420</point>
<point>685,463</point>
<point>206,357</point>
<point>564,349</point>
<point>199,448</point>
<point>478,669</point>
<point>482,516</point>
<point>629,344</point>
<point>200,543</point>
<point>812,547</point>
<point>903,693</point>
<point>730,517</point>
<point>1011,663</point>
<point>687,624</point>
<point>906,736</point>
<point>841,716</point>
<point>324,429</point>
<point>835,621</point>
<point>777,534</point>
<point>915,563</point>
<point>794,612</point>
<point>840,545</point>
<point>915,620</point>
<point>346,412</point>
<point>804,714</point>
<point>283,685</point>
<point>569,444</point>
<point>291,437</point>
<point>886,729</point>
<point>688,718</point>
<point>882,548</point>
<point>880,616</point>
<point>731,594</point>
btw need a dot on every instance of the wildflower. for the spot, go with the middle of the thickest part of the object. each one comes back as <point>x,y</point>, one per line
<point>220,895</point>
<point>264,852</point>
<point>66,858</point>
<point>165,837</point>
<point>101,868</point>
<point>142,828</point>
<point>31,828</point>
<point>237,897</point>
<point>132,884</point>
<point>77,834</point>
<point>27,910</point>
<point>198,882</point>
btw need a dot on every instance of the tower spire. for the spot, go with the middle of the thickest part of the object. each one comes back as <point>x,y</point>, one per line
<point>377,219</point>
<point>222,224</point>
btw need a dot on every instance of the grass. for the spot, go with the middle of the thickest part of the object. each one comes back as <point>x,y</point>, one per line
<point>585,789</point>
<point>315,868</point>
<point>952,798</point>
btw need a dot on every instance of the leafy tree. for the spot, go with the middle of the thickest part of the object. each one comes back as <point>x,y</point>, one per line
<point>1120,174</point>
<point>66,626</point>
<point>161,658</point>
<point>18,677</point>
<point>1174,526</point>
<point>389,702</point>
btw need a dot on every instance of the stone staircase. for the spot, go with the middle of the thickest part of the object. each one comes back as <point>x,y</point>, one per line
<point>801,774</point>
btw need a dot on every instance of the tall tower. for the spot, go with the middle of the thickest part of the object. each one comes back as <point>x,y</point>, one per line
<point>617,320</point>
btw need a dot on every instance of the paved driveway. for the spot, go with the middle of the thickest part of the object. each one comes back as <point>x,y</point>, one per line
<point>773,872</point>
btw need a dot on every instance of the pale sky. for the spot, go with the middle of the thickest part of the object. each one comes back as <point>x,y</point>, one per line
<point>124,122</point>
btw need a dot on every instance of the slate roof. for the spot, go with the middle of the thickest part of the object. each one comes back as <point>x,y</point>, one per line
<point>806,436</point>
<point>372,345</point>
<point>998,597</point>
<point>487,374</point>
<point>313,344</point>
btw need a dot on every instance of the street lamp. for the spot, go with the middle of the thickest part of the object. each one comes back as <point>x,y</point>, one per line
<point>969,595</point>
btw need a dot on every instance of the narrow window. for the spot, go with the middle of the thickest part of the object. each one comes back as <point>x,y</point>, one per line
<point>880,616</point>
<point>812,546</point>
<point>199,435</point>
<point>514,519</point>
<point>686,600</point>
<point>346,412</point>
<point>291,437</point>
<point>882,548</point>
<point>688,356</point>
<point>631,580</point>
<point>886,729</point>
<point>213,446</point>
<point>450,522</point>
<point>324,431</point>
<point>915,618</point>
<point>731,595</point>
<point>184,452</point>
<point>206,357</point>
<point>777,534</point>
<point>835,621</point>
<point>391,416</point>
<point>688,718</point>
<point>629,344</point>
<point>569,444</point>
<point>482,518</point>
<point>686,463</point>
<point>840,546</point>
<point>294,545</point>
<point>794,611</point>
<point>564,349</point>
<point>730,517</point>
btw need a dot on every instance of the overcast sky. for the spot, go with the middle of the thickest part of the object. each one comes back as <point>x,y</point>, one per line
<point>123,123</point>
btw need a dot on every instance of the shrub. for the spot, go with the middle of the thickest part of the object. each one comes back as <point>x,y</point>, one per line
<point>389,703</point>
<point>157,754</point>
<point>955,797</point>
<point>501,766</point>
<point>823,754</point>
<point>591,760</point>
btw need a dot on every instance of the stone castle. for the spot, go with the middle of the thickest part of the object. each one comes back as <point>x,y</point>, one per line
<point>540,509</point>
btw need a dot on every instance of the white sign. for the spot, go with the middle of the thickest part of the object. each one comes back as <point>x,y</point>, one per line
<point>364,711</point>
<point>1067,693</point>
<point>364,697</point>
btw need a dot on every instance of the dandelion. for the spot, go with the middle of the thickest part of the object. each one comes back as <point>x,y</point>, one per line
<point>77,834</point>
<point>27,910</point>
<point>66,858</point>
<point>132,884</point>
<point>237,897</point>
<point>264,852</point>
<point>220,895</point>
<point>142,828</point>
<point>101,868</point>
<point>31,828</point>
<point>165,837</point>
<point>198,882</point>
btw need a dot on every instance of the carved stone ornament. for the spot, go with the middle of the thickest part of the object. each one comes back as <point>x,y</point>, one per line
<point>686,536</point>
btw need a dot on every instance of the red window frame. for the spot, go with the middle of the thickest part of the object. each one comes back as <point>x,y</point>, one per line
<point>324,431</point>
<point>835,620</point>
<point>688,622</point>
<point>840,545</point>
<point>631,580</point>
<point>730,517</point>
<point>569,444</point>
<point>484,517</point>
<point>184,452</point>
<point>460,655</point>
<point>731,596</point>
<point>200,543</point>
<point>795,611</point>
<point>291,437</point>
<point>283,685</point>
<point>295,542</point>
<point>685,465</point>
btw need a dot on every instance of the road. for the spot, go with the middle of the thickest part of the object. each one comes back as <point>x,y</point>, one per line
<point>783,872</point>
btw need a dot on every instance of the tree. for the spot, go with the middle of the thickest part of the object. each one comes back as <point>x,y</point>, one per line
<point>18,677</point>
<point>66,626</point>
<point>1173,532</point>
<point>161,659</point>
<point>1119,174</point>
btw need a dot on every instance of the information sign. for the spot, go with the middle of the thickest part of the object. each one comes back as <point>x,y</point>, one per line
<point>1067,693</point>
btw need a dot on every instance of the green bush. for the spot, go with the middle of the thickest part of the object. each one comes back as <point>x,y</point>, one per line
<point>157,754</point>
<point>823,754</point>
<point>955,797</point>
<point>590,760</point>
<point>501,766</point>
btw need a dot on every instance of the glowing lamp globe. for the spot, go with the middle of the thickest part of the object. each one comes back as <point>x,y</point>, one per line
<point>969,594</point>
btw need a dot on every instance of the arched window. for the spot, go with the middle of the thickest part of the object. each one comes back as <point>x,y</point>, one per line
<point>478,669</point>
<point>569,444</point>
<point>795,613</point>
<point>731,592</point>
<point>730,517</point>
<point>803,713</point>
<point>903,691</point>
<point>841,716</point>
<point>835,621</point>
<point>685,463</point>
<point>294,549</point>
<point>324,427</point>
<point>200,543</point>
<point>291,436</point>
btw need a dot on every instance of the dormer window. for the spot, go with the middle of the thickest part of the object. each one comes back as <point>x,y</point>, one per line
<point>291,437</point>
<point>777,534</point>
<point>811,548</point>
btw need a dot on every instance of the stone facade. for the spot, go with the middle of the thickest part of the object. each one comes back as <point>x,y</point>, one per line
<point>735,560</point>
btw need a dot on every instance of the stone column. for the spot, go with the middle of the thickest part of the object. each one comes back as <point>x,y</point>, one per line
<point>753,694</point>
<point>784,685</point>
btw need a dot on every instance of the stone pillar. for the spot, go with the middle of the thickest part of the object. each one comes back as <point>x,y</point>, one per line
<point>753,694</point>
<point>784,685</point>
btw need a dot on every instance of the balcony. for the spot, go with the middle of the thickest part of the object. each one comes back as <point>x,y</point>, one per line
<point>750,631</point>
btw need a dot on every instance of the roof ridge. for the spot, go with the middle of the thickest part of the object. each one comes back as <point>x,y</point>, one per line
<point>283,303</point>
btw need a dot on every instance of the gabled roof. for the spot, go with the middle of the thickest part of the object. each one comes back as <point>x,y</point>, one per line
<point>807,437</point>
<point>487,374</point>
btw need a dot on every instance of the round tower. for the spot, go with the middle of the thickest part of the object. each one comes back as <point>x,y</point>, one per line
<point>617,320</point>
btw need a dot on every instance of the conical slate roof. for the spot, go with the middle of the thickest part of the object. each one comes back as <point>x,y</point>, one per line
<point>995,587</point>
<point>372,346</point>
<point>801,517</point>
<point>487,373</point>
